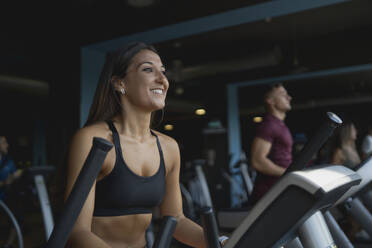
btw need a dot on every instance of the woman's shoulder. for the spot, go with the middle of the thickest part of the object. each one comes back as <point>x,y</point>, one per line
<point>170,150</point>
<point>167,141</point>
<point>99,129</point>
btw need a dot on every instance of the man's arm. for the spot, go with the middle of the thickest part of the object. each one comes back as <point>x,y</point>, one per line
<point>259,152</point>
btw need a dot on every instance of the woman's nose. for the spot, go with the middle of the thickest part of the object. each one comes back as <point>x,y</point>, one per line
<point>162,78</point>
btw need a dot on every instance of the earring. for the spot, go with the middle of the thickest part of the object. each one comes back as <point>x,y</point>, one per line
<point>122,91</point>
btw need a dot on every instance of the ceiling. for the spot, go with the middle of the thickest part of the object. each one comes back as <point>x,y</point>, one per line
<point>42,41</point>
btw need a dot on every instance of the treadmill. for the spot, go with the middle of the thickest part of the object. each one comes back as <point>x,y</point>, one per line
<point>353,202</point>
<point>275,219</point>
<point>293,203</point>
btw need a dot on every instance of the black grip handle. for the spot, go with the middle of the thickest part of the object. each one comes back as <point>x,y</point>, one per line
<point>315,143</point>
<point>79,193</point>
<point>164,237</point>
<point>210,227</point>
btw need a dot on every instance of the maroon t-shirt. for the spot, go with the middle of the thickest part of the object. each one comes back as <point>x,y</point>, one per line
<point>277,133</point>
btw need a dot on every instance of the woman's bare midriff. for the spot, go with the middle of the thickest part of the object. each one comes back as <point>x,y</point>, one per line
<point>122,231</point>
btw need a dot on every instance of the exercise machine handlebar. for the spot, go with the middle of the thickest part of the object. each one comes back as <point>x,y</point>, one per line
<point>164,237</point>
<point>79,193</point>
<point>315,143</point>
<point>210,227</point>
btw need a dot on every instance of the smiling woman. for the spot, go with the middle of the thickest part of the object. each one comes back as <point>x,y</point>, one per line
<point>142,172</point>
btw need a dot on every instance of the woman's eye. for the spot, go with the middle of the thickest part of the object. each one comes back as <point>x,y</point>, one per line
<point>164,72</point>
<point>148,69</point>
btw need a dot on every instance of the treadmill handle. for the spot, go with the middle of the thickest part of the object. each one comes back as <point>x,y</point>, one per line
<point>315,143</point>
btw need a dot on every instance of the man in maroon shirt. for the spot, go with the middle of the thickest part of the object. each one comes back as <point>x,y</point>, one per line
<point>271,151</point>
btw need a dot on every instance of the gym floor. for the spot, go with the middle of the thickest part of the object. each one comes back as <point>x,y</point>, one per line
<point>33,231</point>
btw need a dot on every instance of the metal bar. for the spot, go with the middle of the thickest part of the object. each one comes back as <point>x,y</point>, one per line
<point>44,204</point>
<point>234,136</point>
<point>314,232</point>
<point>150,237</point>
<point>315,103</point>
<point>15,223</point>
<point>247,179</point>
<point>188,201</point>
<point>295,243</point>
<point>337,233</point>
<point>367,199</point>
<point>204,186</point>
<point>361,214</point>
<point>307,75</point>
<point>223,20</point>
<point>79,193</point>
<point>210,227</point>
<point>314,144</point>
<point>164,238</point>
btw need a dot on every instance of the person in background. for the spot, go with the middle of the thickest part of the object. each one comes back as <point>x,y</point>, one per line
<point>271,150</point>
<point>8,175</point>
<point>366,148</point>
<point>342,146</point>
<point>342,151</point>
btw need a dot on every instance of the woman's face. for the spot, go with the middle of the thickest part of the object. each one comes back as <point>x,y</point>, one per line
<point>145,83</point>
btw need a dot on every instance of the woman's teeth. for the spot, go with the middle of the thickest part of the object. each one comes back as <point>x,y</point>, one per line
<point>157,91</point>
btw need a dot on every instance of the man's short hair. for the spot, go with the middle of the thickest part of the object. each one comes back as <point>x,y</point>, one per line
<point>269,89</point>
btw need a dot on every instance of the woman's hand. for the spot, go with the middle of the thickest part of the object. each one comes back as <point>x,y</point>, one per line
<point>223,240</point>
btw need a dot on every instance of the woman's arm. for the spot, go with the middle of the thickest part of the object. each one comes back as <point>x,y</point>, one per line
<point>81,235</point>
<point>187,231</point>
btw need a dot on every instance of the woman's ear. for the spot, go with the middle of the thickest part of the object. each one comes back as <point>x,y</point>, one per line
<point>118,83</point>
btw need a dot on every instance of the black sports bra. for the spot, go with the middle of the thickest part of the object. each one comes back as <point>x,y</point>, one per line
<point>123,192</point>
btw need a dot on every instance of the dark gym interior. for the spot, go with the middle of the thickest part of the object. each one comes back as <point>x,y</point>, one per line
<point>321,52</point>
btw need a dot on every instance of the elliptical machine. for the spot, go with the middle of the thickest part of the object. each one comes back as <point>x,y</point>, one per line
<point>14,223</point>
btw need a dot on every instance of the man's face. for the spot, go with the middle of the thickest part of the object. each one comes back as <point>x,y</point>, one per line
<point>280,99</point>
<point>3,145</point>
